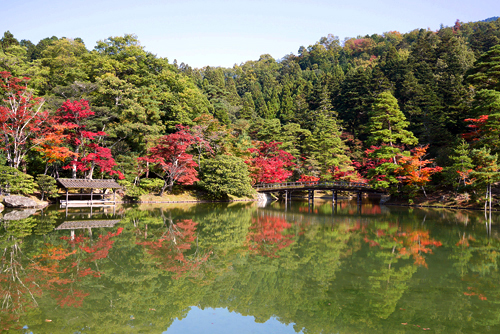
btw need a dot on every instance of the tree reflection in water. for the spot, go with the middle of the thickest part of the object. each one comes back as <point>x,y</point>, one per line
<point>324,272</point>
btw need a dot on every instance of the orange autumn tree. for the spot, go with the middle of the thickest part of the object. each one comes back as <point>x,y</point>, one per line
<point>53,149</point>
<point>413,170</point>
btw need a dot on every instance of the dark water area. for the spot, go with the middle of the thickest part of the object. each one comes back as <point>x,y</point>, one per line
<point>239,267</point>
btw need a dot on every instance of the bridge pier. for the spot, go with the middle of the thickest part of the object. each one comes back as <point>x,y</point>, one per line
<point>359,197</point>
<point>310,197</point>
<point>334,197</point>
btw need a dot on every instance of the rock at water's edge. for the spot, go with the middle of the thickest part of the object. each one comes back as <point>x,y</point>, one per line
<point>19,202</point>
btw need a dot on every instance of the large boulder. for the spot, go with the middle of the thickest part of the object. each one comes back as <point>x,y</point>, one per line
<point>19,214</point>
<point>19,202</point>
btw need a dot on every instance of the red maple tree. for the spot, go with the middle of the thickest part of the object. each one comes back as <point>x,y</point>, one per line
<point>269,164</point>
<point>88,152</point>
<point>171,160</point>
<point>308,178</point>
<point>21,118</point>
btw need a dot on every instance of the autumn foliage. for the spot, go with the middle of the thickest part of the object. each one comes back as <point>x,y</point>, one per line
<point>21,118</point>
<point>88,153</point>
<point>171,159</point>
<point>269,164</point>
<point>171,250</point>
<point>413,170</point>
<point>308,178</point>
<point>267,236</point>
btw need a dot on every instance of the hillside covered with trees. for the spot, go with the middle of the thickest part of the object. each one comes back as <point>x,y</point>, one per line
<point>391,109</point>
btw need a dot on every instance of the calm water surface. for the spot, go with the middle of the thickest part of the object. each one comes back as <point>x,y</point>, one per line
<point>226,268</point>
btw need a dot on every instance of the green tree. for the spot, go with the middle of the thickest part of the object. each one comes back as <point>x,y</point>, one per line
<point>16,182</point>
<point>387,127</point>
<point>486,73</point>
<point>388,124</point>
<point>325,147</point>
<point>486,171</point>
<point>226,175</point>
<point>46,185</point>
<point>458,174</point>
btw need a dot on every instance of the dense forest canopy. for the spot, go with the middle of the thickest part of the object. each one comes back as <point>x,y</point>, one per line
<point>361,109</point>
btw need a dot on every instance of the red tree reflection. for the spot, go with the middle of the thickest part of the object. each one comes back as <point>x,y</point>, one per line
<point>266,238</point>
<point>405,244</point>
<point>171,249</point>
<point>57,270</point>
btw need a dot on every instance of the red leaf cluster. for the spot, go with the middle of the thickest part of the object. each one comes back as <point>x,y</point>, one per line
<point>268,163</point>
<point>170,155</point>
<point>266,236</point>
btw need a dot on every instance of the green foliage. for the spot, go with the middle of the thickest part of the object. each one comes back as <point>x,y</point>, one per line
<point>486,171</point>
<point>226,175</point>
<point>131,190</point>
<point>15,182</point>
<point>47,185</point>
<point>433,76</point>
<point>151,185</point>
<point>458,173</point>
<point>388,124</point>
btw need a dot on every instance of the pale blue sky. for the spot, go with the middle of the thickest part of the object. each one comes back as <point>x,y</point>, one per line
<point>224,33</point>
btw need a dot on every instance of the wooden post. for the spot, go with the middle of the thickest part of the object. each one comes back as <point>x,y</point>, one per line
<point>114,196</point>
<point>91,195</point>
<point>67,190</point>
<point>359,197</point>
<point>311,195</point>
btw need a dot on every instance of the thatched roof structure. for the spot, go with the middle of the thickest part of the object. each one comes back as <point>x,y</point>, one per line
<point>86,183</point>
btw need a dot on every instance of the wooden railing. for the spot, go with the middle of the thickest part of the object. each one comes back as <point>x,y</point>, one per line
<point>312,184</point>
<point>95,202</point>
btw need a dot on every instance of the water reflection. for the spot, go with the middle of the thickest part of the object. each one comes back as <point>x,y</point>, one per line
<point>320,269</point>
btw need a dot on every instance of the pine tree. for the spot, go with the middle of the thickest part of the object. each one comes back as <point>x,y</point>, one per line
<point>388,124</point>
<point>458,174</point>
<point>326,148</point>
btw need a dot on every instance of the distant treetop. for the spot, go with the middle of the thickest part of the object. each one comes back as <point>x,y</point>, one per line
<point>494,18</point>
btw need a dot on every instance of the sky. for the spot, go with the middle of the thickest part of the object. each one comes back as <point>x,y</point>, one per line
<point>224,32</point>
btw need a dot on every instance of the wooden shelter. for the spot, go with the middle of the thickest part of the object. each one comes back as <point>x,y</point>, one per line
<point>81,184</point>
<point>86,224</point>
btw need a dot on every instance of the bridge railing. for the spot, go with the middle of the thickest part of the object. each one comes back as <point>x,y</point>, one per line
<point>312,184</point>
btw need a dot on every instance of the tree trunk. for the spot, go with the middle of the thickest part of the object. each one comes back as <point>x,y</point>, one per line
<point>91,171</point>
<point>163,188</point>
<point>486,201</point>
<point>490,198</point>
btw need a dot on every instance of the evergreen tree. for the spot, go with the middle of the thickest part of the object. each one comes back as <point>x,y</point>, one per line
<point>458,174</point>
<point>388,124</point>
<point>486,71</point>
<point>325,148</point>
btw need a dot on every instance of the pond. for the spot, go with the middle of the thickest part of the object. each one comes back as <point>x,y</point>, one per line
<point>239,267</point>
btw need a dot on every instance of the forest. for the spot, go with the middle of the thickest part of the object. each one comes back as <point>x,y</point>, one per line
<point>412,113</point>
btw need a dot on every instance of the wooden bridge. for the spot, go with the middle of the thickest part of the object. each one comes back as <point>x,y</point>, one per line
<point>285,189</point>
